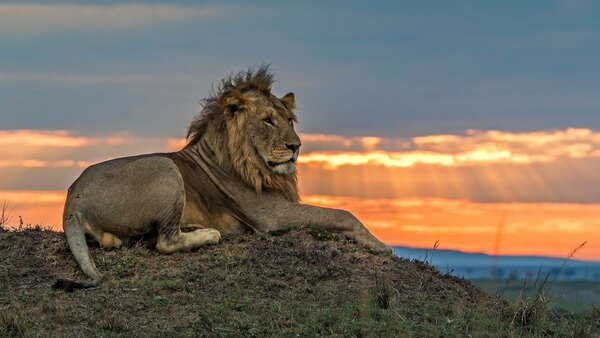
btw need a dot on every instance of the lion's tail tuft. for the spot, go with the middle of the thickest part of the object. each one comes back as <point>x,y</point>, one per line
<point>71,285</point>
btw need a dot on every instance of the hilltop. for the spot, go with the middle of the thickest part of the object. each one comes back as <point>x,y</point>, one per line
<point>299,282</point>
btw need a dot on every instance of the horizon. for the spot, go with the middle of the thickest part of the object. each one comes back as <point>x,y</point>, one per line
<point>471,125</point>
<point>478,253</point>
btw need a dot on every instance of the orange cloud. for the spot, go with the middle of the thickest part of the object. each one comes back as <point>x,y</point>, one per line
<point>567,142</point>
<point>477,147</point>
<point>333,160</point>
<point>44,164</point>
<point>481,155</point>
<point>61,148</point>
<point>339,142</point>
<point>544,137</point>
<point>41,138</point>
<point>474,148</point>
<point>52,159</point>
<point>324,138</point>
<point>57,138</point>
<point>34,197</point>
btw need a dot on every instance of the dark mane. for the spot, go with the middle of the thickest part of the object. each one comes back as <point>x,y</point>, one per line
<point>260,80</point>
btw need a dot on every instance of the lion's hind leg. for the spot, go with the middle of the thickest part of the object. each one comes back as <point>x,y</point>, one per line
<point>110,241</point>
<point>106,240</point>
<point>178,240</point>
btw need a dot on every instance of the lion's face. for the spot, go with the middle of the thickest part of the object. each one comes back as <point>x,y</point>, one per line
<point>273,136</point>
<point>268,125</point>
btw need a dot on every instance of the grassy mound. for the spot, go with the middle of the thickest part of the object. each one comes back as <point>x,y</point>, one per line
<point>296,283</point>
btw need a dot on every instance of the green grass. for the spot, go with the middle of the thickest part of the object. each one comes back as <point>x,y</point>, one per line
<point>570,296</point>
<point>299,283</point>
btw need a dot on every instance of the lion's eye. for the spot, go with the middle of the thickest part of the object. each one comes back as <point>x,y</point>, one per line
<point>269,121</point>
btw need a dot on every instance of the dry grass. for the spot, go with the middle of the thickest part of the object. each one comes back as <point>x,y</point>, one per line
<point>530,309</point>
<point>4,216</point>
<point>384,291</point>
<point>13,325</point>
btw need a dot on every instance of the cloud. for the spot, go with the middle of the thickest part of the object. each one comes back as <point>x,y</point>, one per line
<point>474,148</point>
<point>44,164</point>
<point>413,158</point>
<point>32,197</point>
<point>490,166</point>
<point>25,148</point>
<point>45,138</point>
<point>58,138</point>
<point>530,140</point>
<point>40,18</point>
<point>90,79</point>
<point>330,160</point>
<point>329,142</point>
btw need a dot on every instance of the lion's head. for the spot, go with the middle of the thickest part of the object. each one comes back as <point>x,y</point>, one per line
<point>251,131</point>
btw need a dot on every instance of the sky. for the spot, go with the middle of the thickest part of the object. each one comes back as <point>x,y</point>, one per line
<point>472,124</point>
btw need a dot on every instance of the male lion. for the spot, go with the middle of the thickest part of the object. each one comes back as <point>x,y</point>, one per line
<point>236,173</point>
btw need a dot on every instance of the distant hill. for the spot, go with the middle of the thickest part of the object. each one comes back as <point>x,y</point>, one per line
<point>482,266</point>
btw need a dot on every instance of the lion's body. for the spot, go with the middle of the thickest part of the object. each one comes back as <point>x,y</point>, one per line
<point>236,174</point>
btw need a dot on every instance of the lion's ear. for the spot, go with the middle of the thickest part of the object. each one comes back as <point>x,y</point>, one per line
<point>289,101</point>
<point>232,101</point>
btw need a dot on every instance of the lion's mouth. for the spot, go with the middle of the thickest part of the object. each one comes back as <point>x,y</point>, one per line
<point>274,164</point>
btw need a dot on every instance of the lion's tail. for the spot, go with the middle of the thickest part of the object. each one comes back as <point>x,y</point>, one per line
<point>73,228</point>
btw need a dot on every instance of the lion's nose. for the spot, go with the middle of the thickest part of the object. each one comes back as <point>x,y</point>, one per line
<point>293,147</point>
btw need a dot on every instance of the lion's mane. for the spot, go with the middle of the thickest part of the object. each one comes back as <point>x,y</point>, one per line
<point>229,139</point>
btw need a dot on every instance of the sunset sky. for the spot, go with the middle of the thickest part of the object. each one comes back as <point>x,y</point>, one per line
<point>472,124</point>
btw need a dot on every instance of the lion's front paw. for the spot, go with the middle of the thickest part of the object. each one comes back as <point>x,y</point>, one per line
<point>216,236</point>
<point>213,236</point>
<point>379,246</point>
<point>385,248</point>
<point>368,240</point>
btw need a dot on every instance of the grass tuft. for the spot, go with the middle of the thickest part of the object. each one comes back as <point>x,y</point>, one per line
<point>13,325</point>
<point>384,291</point>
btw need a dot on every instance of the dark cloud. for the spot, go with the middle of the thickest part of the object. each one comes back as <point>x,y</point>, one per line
<point>396,69</point>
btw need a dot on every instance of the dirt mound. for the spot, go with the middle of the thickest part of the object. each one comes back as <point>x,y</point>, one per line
<point>299,282</point>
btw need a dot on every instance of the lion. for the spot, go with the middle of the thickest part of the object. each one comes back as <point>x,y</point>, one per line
<point>237,173</point>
